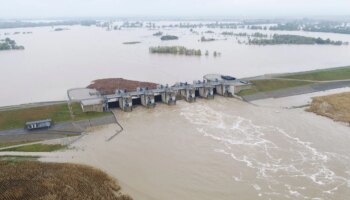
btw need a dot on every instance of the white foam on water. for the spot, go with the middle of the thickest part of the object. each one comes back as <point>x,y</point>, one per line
<point>285,159</point>
<point>256,187</point>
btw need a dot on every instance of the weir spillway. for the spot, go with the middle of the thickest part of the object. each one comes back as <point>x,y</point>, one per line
<point>211,84</point>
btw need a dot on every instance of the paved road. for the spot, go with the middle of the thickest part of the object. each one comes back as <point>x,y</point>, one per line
<point>317,87</point>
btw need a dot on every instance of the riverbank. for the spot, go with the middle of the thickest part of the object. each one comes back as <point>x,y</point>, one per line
<point>61,181</point>
<point>289,84</point>
<point>336,106</point>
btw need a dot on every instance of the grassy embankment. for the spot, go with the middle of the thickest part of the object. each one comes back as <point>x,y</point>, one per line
<point>336,107</point>
<point>297,79</point>
<point>341,73</point>
<point>271,85</point>
<point>7,144</point>
<point>36,180</point>
<point>37,148</point>
<point>58,113</point>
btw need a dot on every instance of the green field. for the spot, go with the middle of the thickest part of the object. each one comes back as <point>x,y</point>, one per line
<point>271,85</point>
<point>58,113</point>
<point>341,73</point>
<point>37,148</point>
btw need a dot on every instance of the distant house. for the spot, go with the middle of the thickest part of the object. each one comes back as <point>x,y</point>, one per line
<point>47,123</point>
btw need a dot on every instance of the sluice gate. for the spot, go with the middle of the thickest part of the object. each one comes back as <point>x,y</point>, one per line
<point>212,84</point>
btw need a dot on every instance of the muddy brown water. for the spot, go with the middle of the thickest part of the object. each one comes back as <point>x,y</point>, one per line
<point>221,149</point>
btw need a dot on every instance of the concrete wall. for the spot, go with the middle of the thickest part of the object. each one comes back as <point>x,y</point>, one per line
<point>148,100</point>
<point>242,87</point>
<point>225,90</point>
<point>92,108</point>
<point>206,92</point>
<point>189,94</point>
<point>125,103</point>
<point>169,98</point>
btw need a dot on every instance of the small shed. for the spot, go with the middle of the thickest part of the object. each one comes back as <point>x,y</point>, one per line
<point>92,105</point>
<point>40,124</point>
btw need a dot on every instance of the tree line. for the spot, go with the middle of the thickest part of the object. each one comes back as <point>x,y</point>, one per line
<point>294,39</point>
<point>8,44</point>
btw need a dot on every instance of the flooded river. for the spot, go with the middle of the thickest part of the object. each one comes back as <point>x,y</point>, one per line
<point>56,61</point>
<point>221,149</point>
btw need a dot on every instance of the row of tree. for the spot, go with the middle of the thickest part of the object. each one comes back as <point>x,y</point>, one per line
<point>180,50</point>
<point>294,39</point>
<point>256,34</point>
<point>8,44</point>
<point>169,37</point>
<point>327,27</point>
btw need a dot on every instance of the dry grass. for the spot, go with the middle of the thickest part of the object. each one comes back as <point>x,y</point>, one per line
<point>47,181</point>
<point>109,85</point>
<point>37,148</point>
<point>335,106</point>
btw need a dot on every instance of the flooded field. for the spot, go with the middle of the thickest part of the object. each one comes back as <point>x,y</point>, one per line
<point>54,61</point>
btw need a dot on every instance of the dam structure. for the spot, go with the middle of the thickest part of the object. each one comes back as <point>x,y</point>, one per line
<point>92,101</point>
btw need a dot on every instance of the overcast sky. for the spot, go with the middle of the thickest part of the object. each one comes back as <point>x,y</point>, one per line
<point>187,8</point>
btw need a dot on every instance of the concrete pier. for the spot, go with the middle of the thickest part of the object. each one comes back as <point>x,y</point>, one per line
<point>148,98</point>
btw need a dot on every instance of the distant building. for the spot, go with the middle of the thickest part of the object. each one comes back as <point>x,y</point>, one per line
<point>41,124</point>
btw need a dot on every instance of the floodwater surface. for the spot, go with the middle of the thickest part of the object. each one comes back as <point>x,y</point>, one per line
<point>221,149</point>
<point>56,61</point>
